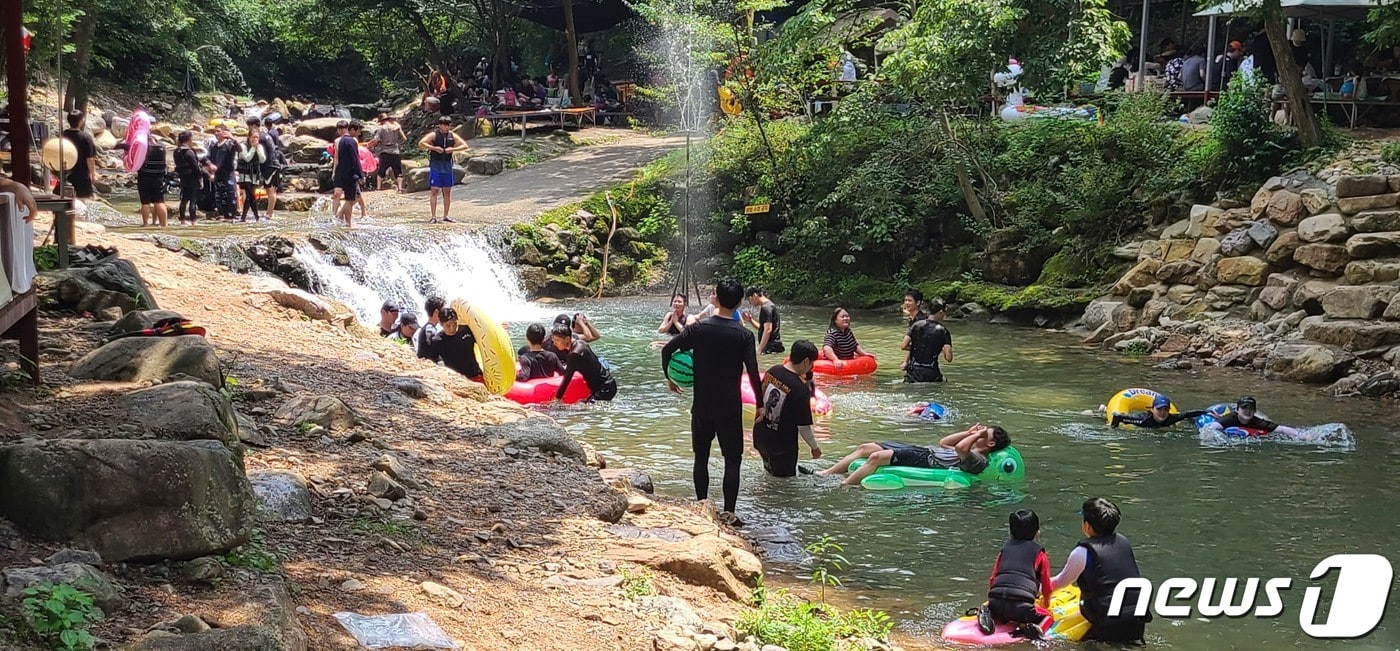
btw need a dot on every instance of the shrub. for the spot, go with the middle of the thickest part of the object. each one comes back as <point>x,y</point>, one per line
<point>62,614</point>
<point>786,620</point>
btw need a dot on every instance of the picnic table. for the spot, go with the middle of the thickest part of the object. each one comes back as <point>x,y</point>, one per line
<point>557,115</point>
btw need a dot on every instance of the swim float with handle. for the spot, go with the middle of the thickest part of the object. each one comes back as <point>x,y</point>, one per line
<point>1128,401</point>
<point>138,141</point>
<point>1004,465</point>
<point>821,405</point>
<point>1064,606</point>
<point>493,351</point>
<point>542,390</point>
<point>861,365</point>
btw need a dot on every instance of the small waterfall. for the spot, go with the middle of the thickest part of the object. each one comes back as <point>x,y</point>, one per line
<point>364,268</point>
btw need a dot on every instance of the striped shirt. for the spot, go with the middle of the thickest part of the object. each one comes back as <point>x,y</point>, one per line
<point>842,341</point>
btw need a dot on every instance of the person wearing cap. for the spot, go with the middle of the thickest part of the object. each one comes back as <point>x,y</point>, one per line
<point>406,329</point>
<point>224,154</point>
<point>1158,417</point>
<point>346,171</point>
<point>1224,66</point>
<point>388,145</point>
<point>1246,415</point>
<point>441,143</point>
<point>388,317</point>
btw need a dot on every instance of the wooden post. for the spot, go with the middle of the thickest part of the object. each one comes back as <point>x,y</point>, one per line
<point>575,97</point>
<point>20,144</point>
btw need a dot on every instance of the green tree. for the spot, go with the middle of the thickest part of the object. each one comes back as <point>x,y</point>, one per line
<point>1270,13</point>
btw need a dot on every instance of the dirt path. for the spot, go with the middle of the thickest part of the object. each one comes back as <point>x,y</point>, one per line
<point>520,194</point>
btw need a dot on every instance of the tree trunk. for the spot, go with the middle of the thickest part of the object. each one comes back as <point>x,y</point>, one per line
<point>575,98</point>
<point>76,96</point>
<point>969,193</point>
<point>435,57</point>
<point>1299,106</point>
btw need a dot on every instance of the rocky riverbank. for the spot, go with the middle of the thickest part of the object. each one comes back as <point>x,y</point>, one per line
<point>237,490</point>
<point>1299,283</point>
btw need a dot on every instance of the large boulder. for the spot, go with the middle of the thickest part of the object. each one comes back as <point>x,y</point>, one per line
<point>1242,270</point>
<point>304,149</point>
<point>129,500</point>
<point>1351,335</point>
<point>185,411</point>
<point>1373,245</point>
<point>1237,243</point>
<point>1263,233</point>
<point>537,432</point>
<point>282,496</point>
<point>1315,200</point>
<point>140,320</point>
<point>327,411</point>
<point>1362,185</point>
<point>1354,205</point>
<point>1202,221</point>
<point>416,180</point>
<point>1286,208</point>
<point>1358,302</point>
<point>1308,296</point>
<point>1206,248</point>
<point>1361,272</point>
<point>1101,311</point>
<point>1327,258</point>
<point>1376,221</point>
<point>74,289</point>
<point>262,620</point>
<point>1141,275</point>
<point>1167,273</point>
<point>313,306</point>
<point>1278,290</point>
<point>136,359</point>
<point>1283,247</point>
<point>486,165</point>
<point>322,128</point>
<point>1224,297</point>
<point>1310,363</point>
<point>1259,204</point>
<point>1176,230</point>
<point>1327,227</point>
<point>120,275</point>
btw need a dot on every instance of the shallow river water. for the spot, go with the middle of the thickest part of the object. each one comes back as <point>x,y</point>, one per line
<point>1192,509</point>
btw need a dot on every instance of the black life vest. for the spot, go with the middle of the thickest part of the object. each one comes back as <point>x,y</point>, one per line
<point>186,163</point>
<point>1110,561</point>
<point>154,165</point>
<point>924,342</point>
<point>443,140</point>
<point>1016,578</point>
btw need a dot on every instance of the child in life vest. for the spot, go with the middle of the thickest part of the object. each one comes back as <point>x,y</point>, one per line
<point>1021,583</point>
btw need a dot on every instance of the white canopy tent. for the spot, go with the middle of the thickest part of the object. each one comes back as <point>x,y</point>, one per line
<point>1329,10</point>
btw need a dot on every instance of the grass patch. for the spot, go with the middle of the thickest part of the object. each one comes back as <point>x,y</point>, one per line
<point>637,583</point>
<point>784,619</point>
<point>389,528</point>
<point>253,555</point>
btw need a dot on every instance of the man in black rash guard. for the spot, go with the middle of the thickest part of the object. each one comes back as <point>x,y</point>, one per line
<point>1160,416</point>
<point>769,324</point>
<point>582,360</point>
<point>535,361</point>
<point>1246,414</point>
<point>723,350</point>
<point>927,338</point>
<point>454,345</point>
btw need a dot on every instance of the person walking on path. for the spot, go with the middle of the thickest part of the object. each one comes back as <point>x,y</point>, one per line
<point>723,350</point>
<point>388,145</point>
<point>441,144</point>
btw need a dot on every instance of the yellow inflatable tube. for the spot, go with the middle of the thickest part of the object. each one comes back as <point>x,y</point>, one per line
<point>493,351</point>
<point>1128,401</point>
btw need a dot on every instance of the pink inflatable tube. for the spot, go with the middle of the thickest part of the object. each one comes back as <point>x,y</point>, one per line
<point>821,405</point>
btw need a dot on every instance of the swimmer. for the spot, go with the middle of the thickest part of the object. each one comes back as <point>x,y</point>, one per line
<point>1158,417</point>
<point>921,409</point>
<point>840,343</point>
<point>675,320</point>
<point>1246,414</point>
<point>966,451</point>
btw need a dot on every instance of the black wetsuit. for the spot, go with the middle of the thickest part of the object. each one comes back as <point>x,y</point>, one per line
<point>1146,421</point>
<point>535,364</point>
<point>926,341</point>
<point>1233,420</point>
<point>585,362</point>
<point>457,352</point>
<point>723,351</point>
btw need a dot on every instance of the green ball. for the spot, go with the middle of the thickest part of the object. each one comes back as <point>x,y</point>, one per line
<point>681,369</point>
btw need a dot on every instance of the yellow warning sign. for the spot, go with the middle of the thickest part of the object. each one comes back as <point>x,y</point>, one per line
<point>756,209</point>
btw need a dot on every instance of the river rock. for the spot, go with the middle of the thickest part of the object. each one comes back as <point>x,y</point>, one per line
<point>1315,200</point>
<point>1259,205</point>
<point>1176,250</point>
<point>1351,335</point>
<point>1202,221</point>
<point>626,478</point>
<point>185,411</point>
<point>1310,363</point>
<point>74,289</point>
<point>137,359</point>
<point>1278,290</point>
<point>140,320</point>
<point>416,180</point>
<point>382,485</point>
<point>1176,230</point>
<point>327,411</point>
<point>1149,250</point>
<point>129,500</point>
<point>1167,273</point>
<point>105,593</point>
<point>1327,258</point>
<point>1242,270</point>
<point>260,619</point>
<point>321,128</point>
<point>1101,311</point>
<point>1373,245</point>
<point>1361,272</point>
<point>1128,251</point>
<point>397,470</point>
<point>1283,248</point>
<point>1237,243</point>
<point>1376,221</point>
<point>313,306</point>
<point>422,389</point>
<point>1309,295</point>
<point>1206,247</point>
<point>1327,227</point>
<point>1141,275</point>
<point>1359,302</point>
<point>282,496</point>
<point>536,432</point>
<point>1286,207</point>
<point>1354,205</point>
<point>1263,233</point>
<point>610,506</point>
<point>709,561</point>
<point>304,148</point>
<point>1182,294</point>
<point>1362,185</point>
<point>486,165</point>
<point>1223,297</point>
<point>1392,313</point>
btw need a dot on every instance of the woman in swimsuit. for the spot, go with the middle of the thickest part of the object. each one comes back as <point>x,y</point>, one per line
<point>674,321</point>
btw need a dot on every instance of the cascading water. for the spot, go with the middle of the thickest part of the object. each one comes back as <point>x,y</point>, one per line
<point>363,268</point>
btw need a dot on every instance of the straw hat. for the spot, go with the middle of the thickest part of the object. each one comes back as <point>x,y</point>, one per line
<point>1298,36</point>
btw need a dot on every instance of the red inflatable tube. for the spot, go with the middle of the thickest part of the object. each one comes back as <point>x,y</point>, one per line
<point>543,390</point>
<point>863,365</point>
<point>821,405</point>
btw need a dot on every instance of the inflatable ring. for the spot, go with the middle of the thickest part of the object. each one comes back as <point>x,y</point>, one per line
<point>862,365</point>
<point>821,405</point>
<point>493,351</point>
<point>368,162</point>
<point>1128,401</point>
<point>1064,606</point>
<point>1221,410</point>
<point>138,141</point>
<point>1004,465</point>
<point>542,390</point>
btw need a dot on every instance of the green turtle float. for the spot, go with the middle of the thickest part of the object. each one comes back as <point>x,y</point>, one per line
<point>1004,465</point>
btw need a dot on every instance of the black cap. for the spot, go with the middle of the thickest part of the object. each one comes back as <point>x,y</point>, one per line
<point>1247,401</point>
<point>409,319</point>
<point>444,120</point>
<point>389,307</point>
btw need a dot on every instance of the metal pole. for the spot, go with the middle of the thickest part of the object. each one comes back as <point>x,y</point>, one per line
<point>1210,52</point>
<point>62,102</point>
<point>1142,48</point>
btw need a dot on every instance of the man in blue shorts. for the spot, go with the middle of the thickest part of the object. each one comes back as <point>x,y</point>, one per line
<point>441,143</point>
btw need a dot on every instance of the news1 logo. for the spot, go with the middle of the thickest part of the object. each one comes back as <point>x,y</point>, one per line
<point>1358,603</point>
